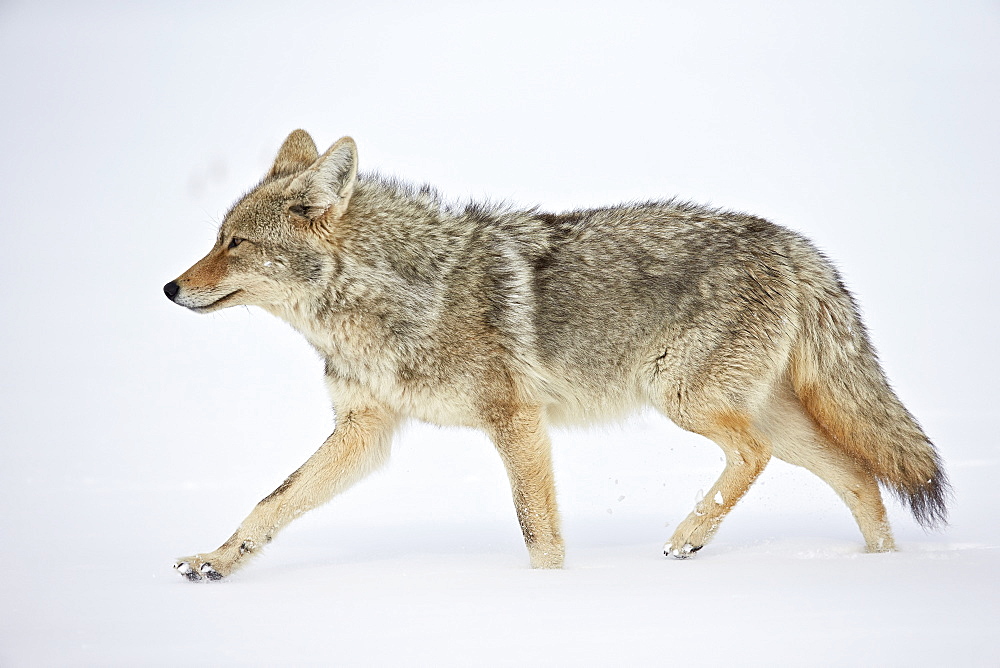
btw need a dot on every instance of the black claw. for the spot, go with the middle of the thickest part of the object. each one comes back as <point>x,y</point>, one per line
<point>192,576</point>
<point>210,572</point>
<point>685,552</point>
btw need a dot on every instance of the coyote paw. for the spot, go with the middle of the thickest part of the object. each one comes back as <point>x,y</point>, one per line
<point>547,557</point>
<point>692,534</point>
<point>682,551</point>
<point>195,569</point>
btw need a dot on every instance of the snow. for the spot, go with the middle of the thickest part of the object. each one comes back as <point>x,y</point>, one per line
<point>134,431</point>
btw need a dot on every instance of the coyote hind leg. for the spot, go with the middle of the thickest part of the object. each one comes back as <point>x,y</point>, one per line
<point>358,445</point>
<point>798,440</point>
<point>747,453</point>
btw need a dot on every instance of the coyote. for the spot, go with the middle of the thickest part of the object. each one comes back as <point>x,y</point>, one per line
<point>512,320</point>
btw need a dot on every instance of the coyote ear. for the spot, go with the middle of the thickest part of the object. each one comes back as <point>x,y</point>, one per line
<point>329,182</point>
<point>296,154</point>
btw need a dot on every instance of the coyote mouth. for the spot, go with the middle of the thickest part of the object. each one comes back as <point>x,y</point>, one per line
<point>218,303</point>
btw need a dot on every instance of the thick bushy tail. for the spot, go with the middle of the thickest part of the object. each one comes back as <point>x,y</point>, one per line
<point>837,377</point>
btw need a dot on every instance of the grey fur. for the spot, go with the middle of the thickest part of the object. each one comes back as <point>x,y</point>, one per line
<point>509,320</point>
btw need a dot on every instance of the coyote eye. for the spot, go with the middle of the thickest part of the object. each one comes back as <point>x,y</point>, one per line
<point>297,209</point>
<point>235,241</point>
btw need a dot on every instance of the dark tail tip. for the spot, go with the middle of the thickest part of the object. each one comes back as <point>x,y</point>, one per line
<point>928,502</point>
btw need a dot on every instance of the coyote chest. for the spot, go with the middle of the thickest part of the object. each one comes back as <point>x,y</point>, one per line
<point>364,361</point>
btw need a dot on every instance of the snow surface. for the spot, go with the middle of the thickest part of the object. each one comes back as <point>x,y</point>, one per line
<point>133,431</point>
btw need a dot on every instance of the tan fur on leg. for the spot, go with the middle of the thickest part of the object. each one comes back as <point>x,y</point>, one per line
<point>798,440</point>
<point>358,446</point>
<point>747,453</point>
<point>520,437</point>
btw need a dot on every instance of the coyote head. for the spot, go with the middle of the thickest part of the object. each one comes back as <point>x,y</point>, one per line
<point>275,241</point>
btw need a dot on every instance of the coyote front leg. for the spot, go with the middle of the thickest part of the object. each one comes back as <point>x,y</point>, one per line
<point>358,445</point>
<point>520,437</point>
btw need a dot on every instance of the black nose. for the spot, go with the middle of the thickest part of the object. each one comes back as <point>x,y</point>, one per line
<point>171,289</point>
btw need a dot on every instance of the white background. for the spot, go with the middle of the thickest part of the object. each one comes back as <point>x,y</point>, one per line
<point>134,431</point>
